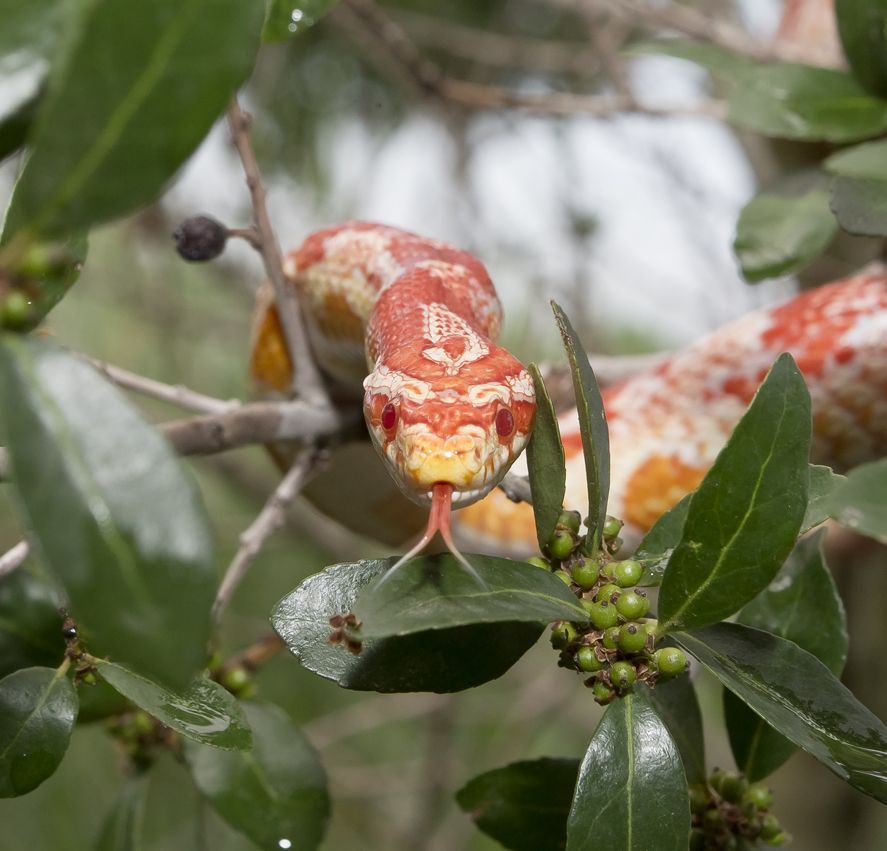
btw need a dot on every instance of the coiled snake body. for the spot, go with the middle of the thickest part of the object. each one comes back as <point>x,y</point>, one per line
<point>449,410</point>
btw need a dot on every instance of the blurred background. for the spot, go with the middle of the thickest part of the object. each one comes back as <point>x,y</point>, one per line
<point>626,219</point>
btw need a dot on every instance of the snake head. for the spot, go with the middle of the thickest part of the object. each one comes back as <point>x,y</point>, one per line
<point>464,430</point>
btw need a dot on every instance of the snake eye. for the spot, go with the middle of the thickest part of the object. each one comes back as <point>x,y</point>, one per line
<point>504,422</point>
<point>389,417</point>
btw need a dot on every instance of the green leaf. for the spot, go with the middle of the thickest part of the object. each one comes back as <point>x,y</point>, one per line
<point>867,160</point>
<point>723,64</point>
<point>38,707</point>
<point>204,712</point>
<point>823,482</point>
<point>862,25</point>
<point>791,101</point>
<point>118,519</point>
<point>676,705</point>
<point>30,623</point>
<point>799,697</point>
<point>98,701</point>
<point>802,605</point>
<point>860,501</point>
<point>444,660</point>
<point>780,234</point>
<point>286,18</point>
<point>860,205</point>
<point>659,543</point>
<point>545,464</point>
<point>632,793</point>
<point>436,592</point>
<point>30,30</point>
<point>743,519</point>
<point>273,792</point>
<point>106,142</point>
<point>15,125</point>
<point>523,806</point>
<point>592,427</point>
<point>122,829</point>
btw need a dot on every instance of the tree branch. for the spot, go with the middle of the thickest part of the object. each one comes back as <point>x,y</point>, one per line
<point>516,488</point>
<point>269,520</point>
<point>307,381</point>
<point>14,558</point>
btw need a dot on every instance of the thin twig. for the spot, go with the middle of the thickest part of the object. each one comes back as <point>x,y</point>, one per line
<point>269,520</point>
<point>250,235</point>
<point>14,558</point>
<point>516,488</point>
<point>175,394</point>
<point>307,382</point>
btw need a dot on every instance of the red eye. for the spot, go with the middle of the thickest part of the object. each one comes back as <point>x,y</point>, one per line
<point>389,417</point>
<point>504,422</point>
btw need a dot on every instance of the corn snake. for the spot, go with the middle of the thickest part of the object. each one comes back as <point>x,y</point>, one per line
<point>449,411</point>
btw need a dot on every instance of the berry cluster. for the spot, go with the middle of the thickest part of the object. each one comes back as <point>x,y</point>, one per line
<point>729,813</point>
<point>617,648</point>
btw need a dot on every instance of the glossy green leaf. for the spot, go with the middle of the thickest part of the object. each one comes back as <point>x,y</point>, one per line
<point>274,793</point>
<point>592,427</point>
<point>523,806</point>
<point>204,712</point>
<point>676,705</point>
<point>286,18</point>
<point>823,483</point>
<point>804,102</point>
<point>659,543</point>
<point>799,697</point>
<point>743,519</point>
<point>106,142</point>
<point>443,660</point>
<point>545,463</point>
<point>632,793</point>
<point>860,205</point>
<point>38,707</point>
<point>780,234</point>
<point>860,501</point>
<point>867,160</point>
<point>802,605</point>
<point>30,623</point>
<point>862,25</point>
<point>436,592</point>
<point>123,826</point>
<point>118,519</point>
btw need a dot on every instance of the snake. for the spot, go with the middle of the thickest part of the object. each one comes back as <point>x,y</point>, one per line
<point>413,323</point>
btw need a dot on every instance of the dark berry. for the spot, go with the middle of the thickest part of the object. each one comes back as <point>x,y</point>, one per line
<point>626,573</point>
<point>632,638</point>
<point>200,238</point>
<point>632,605</point>
<point>585,573</point>
<point>622,675</point>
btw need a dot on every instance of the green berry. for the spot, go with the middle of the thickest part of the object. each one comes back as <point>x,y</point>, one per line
<point>626,573</point>
<point>770,827</point>
<point>622,675</point>
<point>612,527</point>
<point>669,661</point>
<point>602,614</point>
<point>698,799</point>
<point>585,573</point>
<point>716,777</point>
<point>632,605</point>
<point>538,561</point>
<point>760,796</point>
<point>614,545</point>
<point>651,625</point>
<point>632,637</point>
<point>561,544</point>
<point>779,839</point>
<point>733,787</point>
<point>586,660</point>
<point>563,576</point>
<point>603,694</point>
<point>570,520</point>
<point>611,638</point>
<point>16,310</point>
<point>562,634</point>
<point>712,821</point>
<point>607,592</point>
<point>142,723</point>
<point>236,679</point>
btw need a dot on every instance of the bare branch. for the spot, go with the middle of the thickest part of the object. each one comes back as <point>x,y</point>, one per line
<point>307,381</point>
<point>14,558</point>
<point>270,519</point>
<point>516,488</point>
<point>174,394</point>
<point>260,422</point>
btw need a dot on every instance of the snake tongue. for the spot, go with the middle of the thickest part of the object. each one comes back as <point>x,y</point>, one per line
<point>438,521</point>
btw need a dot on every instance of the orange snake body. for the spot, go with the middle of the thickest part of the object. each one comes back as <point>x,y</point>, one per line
<point>446,406</point>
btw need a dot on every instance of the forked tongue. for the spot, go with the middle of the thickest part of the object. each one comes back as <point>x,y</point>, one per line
<point>438,521</point>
